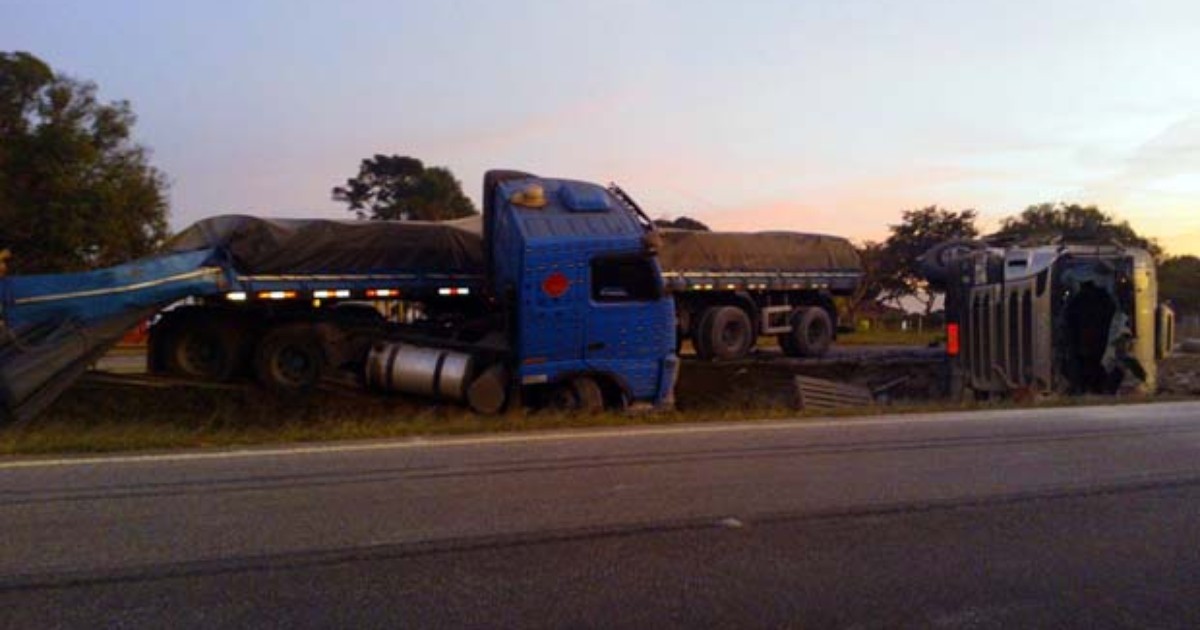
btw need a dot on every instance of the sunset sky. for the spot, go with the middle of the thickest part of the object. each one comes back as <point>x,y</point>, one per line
<point>827,116</point>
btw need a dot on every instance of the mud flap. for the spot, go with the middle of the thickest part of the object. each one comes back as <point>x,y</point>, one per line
<point>667,378</point>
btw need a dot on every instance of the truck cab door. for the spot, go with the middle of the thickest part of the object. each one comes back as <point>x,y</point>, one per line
<point>630,321</point>
<point>553,301</point>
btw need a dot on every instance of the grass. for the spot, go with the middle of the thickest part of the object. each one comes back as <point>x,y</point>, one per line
<point>105,416</point>
<point>97,418</point>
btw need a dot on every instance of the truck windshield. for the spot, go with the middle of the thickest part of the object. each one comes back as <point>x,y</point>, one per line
<point>624,279</point>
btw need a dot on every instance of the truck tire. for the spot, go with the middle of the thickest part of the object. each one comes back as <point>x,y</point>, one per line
<point>937,264</point>
<point>725,332</point>
<point>811,334</point>
<point>290,359</point>
<point>581,394</point>
<point>204,350</point>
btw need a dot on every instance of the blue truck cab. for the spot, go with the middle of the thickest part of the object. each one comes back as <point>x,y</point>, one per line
<point>575,264</point>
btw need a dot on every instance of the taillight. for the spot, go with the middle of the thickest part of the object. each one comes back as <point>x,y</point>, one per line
<point>952,342</point>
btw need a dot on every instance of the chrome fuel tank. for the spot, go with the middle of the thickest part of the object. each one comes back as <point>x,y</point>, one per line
<point>434,372</point>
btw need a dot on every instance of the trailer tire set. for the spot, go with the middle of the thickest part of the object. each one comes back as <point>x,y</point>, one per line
<point>191,343</point>
<point>727,332</point>
<point>724,332</point>
<point>811,334</point>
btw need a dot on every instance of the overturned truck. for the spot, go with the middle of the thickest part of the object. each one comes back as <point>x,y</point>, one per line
<point>1055,319</point>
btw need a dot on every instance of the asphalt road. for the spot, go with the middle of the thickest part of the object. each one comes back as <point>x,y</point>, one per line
<point>1075,517</point>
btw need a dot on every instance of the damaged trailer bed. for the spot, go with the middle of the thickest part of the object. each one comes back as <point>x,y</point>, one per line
<point>54,326</point>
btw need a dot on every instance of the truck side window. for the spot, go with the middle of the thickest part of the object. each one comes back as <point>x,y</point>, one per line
<point>624,279</point>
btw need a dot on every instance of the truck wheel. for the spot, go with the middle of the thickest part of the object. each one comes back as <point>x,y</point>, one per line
<point>936,265</point>
<point>812,332</point>
<point>290,359</point>
<point>581,394</point>
<point>725,333</point>
<point>208,352</point>
<point>787,343</point>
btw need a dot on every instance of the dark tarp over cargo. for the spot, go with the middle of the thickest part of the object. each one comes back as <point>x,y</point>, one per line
<point>258,246</point>
<point>685,250</point>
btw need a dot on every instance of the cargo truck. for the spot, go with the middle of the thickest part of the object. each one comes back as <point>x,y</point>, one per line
<point>731,288</point>
<point>556,300</point>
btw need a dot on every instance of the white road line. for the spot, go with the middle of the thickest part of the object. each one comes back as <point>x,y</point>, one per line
<point>574,435</point>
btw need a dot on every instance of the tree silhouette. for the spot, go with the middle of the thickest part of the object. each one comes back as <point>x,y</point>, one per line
<point>399,187</point>
<point>682,223</point>
<point>75,191</point>
<point>1044,223</point>
<point>917,233</point>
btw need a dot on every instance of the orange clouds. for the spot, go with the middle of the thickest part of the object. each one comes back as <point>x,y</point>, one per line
<point>860,209</point>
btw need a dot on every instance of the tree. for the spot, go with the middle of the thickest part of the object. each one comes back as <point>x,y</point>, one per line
<point>682,223</point>
<point>1046,222</point>
<point>398,187</point>
<point>75,191</point>
<point>870,254</point>
<point>1179,282</point>
<point>918,231</point>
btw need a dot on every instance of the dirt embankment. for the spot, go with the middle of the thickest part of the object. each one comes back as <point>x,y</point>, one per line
<point>767,381</point>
